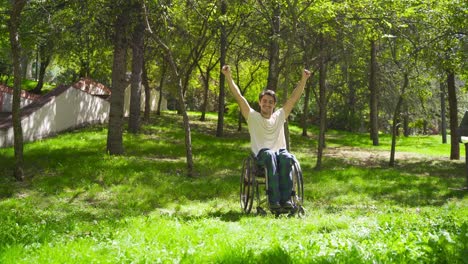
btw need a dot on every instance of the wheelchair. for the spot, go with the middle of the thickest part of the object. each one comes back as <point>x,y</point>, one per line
<point>254,188</point>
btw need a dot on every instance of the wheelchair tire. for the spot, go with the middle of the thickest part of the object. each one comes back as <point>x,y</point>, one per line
<point>247,185</point>
<point>298,187</point>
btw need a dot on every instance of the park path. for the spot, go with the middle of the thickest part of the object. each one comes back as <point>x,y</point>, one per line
<point>377,157</point>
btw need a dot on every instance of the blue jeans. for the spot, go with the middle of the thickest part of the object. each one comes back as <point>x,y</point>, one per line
<point>279,165</point>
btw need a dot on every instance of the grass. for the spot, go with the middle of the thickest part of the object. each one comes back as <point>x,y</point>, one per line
<point>80,205</point>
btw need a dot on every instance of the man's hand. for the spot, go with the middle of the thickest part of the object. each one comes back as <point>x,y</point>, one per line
<point>306,74</point>
<point>226,70</point>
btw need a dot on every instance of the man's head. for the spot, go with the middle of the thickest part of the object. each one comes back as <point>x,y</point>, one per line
<point>267,102</point>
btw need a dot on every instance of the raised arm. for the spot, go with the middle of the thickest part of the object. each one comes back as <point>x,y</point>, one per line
<point>243,104</point>
<point>296,94</point>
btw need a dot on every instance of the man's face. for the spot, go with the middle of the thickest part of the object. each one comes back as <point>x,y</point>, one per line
<point>267,105</point>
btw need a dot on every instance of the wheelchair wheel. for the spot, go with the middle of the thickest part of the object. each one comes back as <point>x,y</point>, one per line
<point>298,188</point>
<point>261,189</point>
<point>247,185</point>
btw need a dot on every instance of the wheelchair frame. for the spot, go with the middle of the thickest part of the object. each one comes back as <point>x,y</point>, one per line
<point>254,181</point>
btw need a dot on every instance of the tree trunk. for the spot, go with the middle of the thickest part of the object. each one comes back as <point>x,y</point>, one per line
<point>42,70</point>
<point>305,115</point>
<point>137,69</point>
<point>351,124</point>
<point>146,85</point>
<point>349,111</point>
<point>286,124</point>
<point>274,50</point>
<point>222,61</point>
<point>322,110</point>
<point>188,135</point>
<point>44,63</point>
<point>180,86</point>
<point>406,128</point>
<point>119,83</point>
<point>161,85</point>
<point>443,114</point>
<point>15,18</point>
<point>374,111</point>
<point>211,64</point>
<point>206,86</point>
<point>453,113</point>
<point>395,124</point>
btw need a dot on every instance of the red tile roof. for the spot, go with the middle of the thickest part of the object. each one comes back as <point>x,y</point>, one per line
<point>24,94</point>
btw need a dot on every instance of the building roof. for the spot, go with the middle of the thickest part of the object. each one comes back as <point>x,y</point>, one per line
<point>24,94</point>
<point>92,87</point>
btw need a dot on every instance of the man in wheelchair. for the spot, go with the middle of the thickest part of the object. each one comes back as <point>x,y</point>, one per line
<point>267,139</point>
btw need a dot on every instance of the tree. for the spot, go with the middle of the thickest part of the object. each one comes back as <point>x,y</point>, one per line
<point>234,44</point>
<point>222,62</point>
<point>322,103</point>
<point>44,63</point>
<point>83,43</point>
<point>292,17</point>
<point>446,40</point>
<point>395,122</point>
<point>453,115</point>
<point>161,85</point>
<point>146,85</point>
<point>137,68</point>
<point>371,18</point>
<point>274,14</point>
<point>206,75</point>
<point>309,44</point>
<point>15,42</point>
<point>443,121</point>
<point>189,54</point>
<point>80,37</point>
<point>119,83</point>
<point>43,19</point>
<point>373,88</point>
<point>188,136</point>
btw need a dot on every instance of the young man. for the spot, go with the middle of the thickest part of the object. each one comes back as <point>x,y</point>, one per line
<point>267,139</point>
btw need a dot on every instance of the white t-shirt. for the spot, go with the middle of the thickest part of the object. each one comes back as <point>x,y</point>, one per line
<point>266,133</point>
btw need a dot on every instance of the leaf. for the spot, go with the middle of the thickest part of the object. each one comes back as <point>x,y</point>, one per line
<point>389,25</point>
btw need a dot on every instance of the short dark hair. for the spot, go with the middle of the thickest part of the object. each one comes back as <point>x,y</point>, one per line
<point>267,92</point>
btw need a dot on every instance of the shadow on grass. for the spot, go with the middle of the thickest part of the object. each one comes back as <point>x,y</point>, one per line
<point>72,181</point>
<point>226,216</point>
<point>74,167</point>
<point>411,183</point>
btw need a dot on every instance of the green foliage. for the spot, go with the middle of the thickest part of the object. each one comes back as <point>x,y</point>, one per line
<point>424,38</point>
<point>79,205</point>
<point>31,84</point>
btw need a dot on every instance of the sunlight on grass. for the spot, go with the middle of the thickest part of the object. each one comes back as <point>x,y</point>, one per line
<point>79,205</point>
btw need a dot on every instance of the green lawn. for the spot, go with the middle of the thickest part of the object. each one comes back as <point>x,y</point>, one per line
<point>79,205</point>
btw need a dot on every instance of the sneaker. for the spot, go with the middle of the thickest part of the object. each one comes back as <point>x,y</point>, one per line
<point>275,206</point>
<point>287,205</point>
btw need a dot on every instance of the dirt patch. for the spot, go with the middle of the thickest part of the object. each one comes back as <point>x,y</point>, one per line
<point>378,157</point>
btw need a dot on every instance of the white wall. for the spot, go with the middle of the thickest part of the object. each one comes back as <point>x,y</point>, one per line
<point>154,96</point>
<point>7,102</point>
<point>68,110</point>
